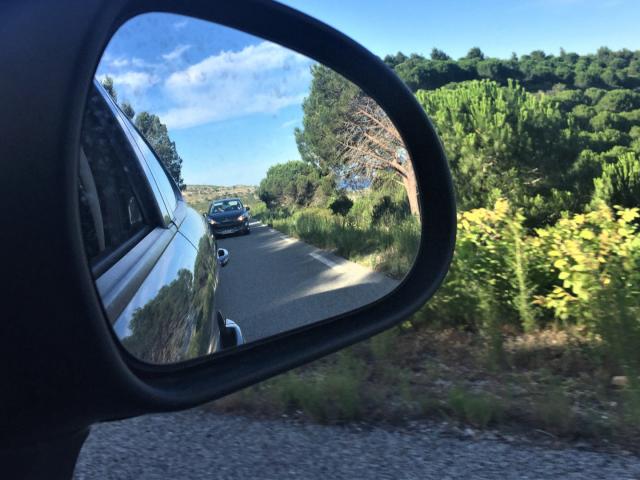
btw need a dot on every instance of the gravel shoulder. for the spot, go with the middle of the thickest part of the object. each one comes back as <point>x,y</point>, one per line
<point>198,444</point>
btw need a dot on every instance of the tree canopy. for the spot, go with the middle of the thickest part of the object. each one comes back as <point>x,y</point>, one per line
<point>606,69</point>
<point>154,131</point>
<point>346,133</point>
<point>291,184</point>
<point>157,135</point>
<point>545,152</point>
<point>324,110</point>
<point>500,141</point>
<point>551,134</point>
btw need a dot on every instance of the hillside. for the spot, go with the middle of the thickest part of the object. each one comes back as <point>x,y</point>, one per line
<point>199,196</point>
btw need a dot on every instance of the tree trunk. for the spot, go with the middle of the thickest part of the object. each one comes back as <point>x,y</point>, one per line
<point>411,186</point>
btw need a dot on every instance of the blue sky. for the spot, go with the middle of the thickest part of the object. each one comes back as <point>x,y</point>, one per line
<point>231,101</point>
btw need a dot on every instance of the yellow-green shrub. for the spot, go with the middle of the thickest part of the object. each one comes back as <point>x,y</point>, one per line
<point>596,257</point>
<point>488,283</point>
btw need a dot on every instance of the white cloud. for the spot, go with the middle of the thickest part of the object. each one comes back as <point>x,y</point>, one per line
<point>176,52</point>
<point>180,24</point>
<point>132,82</point>
<point>140,63</point>
<point>119,62</point>
<point>260,78</point>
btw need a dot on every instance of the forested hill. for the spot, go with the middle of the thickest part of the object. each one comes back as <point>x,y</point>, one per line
<point>606,69</point>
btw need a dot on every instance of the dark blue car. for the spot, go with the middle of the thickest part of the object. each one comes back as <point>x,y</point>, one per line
<point>228,216</point>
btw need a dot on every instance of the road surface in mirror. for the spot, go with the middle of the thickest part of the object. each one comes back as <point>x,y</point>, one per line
<point>275,283</point>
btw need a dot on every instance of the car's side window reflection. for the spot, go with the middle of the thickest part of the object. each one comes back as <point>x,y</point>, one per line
<point>160,176</point>
<point>111,213</point>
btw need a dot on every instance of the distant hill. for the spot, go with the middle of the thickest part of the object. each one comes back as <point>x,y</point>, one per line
<point>200,196</point>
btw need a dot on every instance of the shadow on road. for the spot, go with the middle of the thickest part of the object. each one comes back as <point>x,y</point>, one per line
<point>275,283</point>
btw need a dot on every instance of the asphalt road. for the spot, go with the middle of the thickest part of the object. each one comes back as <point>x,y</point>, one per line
<point>275,283</point>
<point>201,445</point>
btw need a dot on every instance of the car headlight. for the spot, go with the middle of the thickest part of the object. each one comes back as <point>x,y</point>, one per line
<point>212,221</point>
<point>241,218</point>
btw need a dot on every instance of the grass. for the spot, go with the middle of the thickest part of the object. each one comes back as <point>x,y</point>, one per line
<point>547,385</point>
<point>553,411</point>
<point>390,248</point>
<point>329,394</point>
<point>477,408</point>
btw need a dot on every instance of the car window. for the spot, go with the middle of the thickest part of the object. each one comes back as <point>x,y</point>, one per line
<point>110,210</point>
<point>226,206</point>
<point>161,177</point>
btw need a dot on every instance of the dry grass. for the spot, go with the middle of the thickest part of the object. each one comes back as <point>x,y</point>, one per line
<point>550,385</point>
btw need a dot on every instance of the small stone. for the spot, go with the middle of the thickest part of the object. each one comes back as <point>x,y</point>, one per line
<point>619,381</point>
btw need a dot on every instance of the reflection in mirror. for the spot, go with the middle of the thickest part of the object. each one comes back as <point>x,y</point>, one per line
<point>230,151</point>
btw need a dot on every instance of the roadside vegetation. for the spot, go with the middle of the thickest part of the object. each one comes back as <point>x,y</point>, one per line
<point>538,321</point>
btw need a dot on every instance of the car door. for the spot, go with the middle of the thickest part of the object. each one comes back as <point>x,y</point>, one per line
<point>159,289</point>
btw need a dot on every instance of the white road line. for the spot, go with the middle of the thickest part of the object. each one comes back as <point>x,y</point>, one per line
<point>251,224</point>
<point>326,261</point>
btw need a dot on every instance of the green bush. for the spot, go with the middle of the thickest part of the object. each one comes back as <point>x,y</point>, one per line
<point>383,204</point>
<point>596,257</point>
<point>331,394</point>
<point>341,205</point>
<point>290,184</point>
<point>479,409</point>
<point>259,211</point>
<point>620,182</point>
<point>584,271</point>
<point>501,139</point>
<point>553,411</point>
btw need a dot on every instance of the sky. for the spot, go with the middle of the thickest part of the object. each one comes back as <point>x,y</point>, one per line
<point>231,101</point>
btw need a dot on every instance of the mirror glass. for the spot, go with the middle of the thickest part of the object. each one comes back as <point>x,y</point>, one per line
<point>231,189</point>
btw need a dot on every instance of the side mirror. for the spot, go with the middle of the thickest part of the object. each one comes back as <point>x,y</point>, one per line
<point>230,333</point>
<point>88,376</point>
<point>223,257</point>
<point>247,208</point>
